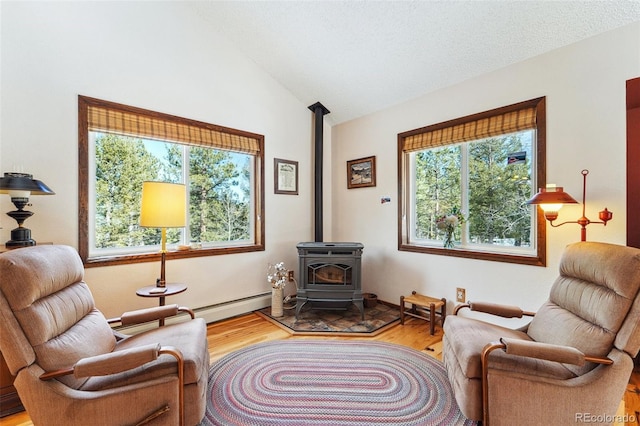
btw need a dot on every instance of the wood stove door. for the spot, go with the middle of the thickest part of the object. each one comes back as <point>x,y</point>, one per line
<point>330,280</point>
<point>333,274</point>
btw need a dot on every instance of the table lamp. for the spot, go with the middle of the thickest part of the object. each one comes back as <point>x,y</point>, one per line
<point>163,206</point>
<point>20,186</point>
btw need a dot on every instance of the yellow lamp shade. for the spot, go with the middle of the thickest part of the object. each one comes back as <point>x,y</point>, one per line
<point>163,205</point>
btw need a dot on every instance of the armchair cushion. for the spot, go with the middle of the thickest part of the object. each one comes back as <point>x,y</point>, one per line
<point>468,337</point>
<point>189,336</point>
<point>65,350</point>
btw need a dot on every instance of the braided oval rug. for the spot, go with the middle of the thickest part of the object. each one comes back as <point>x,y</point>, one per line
<point>329,382</point>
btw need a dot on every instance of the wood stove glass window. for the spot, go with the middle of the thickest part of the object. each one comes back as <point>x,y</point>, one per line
<point>329,274</point>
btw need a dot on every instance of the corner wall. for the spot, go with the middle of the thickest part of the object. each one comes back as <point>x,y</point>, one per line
<point>585,89</point>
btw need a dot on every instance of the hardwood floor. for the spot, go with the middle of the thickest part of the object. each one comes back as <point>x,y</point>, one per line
<point>229,335</point>
<point>632,398</point>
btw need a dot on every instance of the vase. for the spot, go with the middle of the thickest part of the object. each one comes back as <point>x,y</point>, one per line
<point>448,240</point>
<point>277,296</point>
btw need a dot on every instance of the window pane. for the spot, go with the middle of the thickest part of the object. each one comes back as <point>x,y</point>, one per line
<point>438,189</point>
<point>220,195</point>
<point>170,170</point>
<point>499,185</point>
<point>219,199</point>
<point>489,180</point>
<point>121,165</point>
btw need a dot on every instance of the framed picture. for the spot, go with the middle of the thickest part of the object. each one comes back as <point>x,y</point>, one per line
<point>361,172</point>
<point>285,176</point>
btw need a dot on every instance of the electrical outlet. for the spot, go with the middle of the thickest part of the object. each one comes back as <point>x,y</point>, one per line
<point>290,275</point>
<point>461,295</point>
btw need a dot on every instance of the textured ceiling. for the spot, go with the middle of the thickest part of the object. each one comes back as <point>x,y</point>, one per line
<point>358,57</point>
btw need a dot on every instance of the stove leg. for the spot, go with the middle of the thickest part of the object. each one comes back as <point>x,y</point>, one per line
<point>360,305</point>
<point>299,304</point>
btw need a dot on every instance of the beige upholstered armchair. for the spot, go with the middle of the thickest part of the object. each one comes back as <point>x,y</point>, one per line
<point>70,366</point>
<point>571,364</point>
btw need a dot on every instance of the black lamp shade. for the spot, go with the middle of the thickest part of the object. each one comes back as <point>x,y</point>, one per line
<point>13,181</point>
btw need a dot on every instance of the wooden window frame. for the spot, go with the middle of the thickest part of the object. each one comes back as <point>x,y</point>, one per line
<point>540,177</point>
<point>256,142</point>
<point>633,158</point>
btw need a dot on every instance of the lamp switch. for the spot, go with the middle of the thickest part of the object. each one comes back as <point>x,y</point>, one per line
<point>461,295</point>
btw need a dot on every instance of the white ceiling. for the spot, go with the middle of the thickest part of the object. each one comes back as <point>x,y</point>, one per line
<point>358,57</point>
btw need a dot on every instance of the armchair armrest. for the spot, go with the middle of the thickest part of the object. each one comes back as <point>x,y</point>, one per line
<point>505,311</point>
<point>109,363</point>
<point>115,362</point>
<point>563,354</point>
<point>545,351</point>
<point>150,314</point>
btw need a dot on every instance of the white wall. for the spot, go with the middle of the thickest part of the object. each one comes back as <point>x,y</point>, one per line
<point>585,89</point>
<point>158,56</point>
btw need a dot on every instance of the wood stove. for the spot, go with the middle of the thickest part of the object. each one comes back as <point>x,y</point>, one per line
<point>329,276</point>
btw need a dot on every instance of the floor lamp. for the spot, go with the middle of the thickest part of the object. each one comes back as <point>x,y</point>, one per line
<point>163,206</point>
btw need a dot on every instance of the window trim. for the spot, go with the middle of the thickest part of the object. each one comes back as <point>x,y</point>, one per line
<point>540,178</point>
<point>84,105</point>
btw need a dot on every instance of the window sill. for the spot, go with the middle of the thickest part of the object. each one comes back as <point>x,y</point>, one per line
<point>538,260</point>
<point>111,260</point>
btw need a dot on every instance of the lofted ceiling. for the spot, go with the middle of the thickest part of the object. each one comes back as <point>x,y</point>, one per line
<point>358,57</point>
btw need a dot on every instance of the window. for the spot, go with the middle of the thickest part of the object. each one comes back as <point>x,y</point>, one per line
<point>481,169</point>
<point>120,147</point>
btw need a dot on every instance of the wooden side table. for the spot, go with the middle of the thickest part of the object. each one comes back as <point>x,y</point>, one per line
<point>9,400</point>
<point>421,303</point>
<point>4,248</point>
<point>153,291</point>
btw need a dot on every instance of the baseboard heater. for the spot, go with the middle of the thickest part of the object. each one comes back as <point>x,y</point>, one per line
<point>212,313</point>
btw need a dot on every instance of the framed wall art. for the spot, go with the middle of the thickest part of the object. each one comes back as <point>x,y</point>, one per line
<point>285,176</point>
<point>361,173</point>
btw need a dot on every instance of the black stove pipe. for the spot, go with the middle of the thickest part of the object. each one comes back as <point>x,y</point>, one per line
<point>320,111</point>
